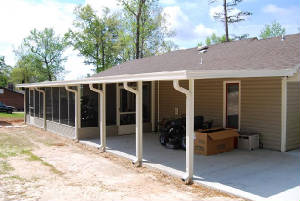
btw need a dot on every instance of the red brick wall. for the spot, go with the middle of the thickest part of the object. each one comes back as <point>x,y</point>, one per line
<point>12,99</point>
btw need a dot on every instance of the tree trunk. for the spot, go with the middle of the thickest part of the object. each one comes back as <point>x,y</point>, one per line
<point>225,20</point>
<point>103,56</point>
<point>142,47</point>
<point>137,39</point>
<point>143,36</point>
<point>138,19</point>
<point>97,56</point>
<point>48,70</point>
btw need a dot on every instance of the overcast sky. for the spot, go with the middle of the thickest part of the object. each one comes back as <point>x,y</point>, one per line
<point>191,19</point>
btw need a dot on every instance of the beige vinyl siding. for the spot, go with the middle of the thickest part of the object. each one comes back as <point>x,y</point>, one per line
<point>293,134</point>
<point>260,105</point>
<point>209,100</point>
<point>169,99</point>
<point>261,109</point>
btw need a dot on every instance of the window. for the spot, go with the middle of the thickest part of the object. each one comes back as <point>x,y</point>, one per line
<point>232,104</point>
<point>49,104</point>
<point>55,102</point>
<point>89,107</point>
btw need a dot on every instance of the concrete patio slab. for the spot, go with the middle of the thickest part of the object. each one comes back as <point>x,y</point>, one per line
<point>256,175</point>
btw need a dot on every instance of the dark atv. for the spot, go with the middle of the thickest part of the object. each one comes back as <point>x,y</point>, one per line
<point>172,133</point>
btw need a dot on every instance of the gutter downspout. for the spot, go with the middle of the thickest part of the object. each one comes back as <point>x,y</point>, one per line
<point>102,111</point>
<point>139,120</point>
<point>44,106</point>
<point>188,177</point>
<point>76,109</point>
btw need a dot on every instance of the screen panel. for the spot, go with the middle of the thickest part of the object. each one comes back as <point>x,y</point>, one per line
<point>63,105</point>
<point>71,109</point>
<point>48,103</point>
<point>89,107</point>
<point>55,99</point>
<point>36,103</point>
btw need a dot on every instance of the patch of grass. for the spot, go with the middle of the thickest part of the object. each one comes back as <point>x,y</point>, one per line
<point>5,167</point>
<point>14,115</point>
<point>33,157</point>
<point>11,145</point>
<point>16,177</point>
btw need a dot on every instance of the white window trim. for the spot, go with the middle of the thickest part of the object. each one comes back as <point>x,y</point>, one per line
<point>224,101</point>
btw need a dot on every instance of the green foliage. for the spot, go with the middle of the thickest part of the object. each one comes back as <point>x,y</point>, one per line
<point>47,48</point>
<point>4,72</point>
<point>96,38</point>
<point>29,68</point>
<point>214,39</point>
<point>112,39</point>
<point>273,30</point>
<point>145,29</point>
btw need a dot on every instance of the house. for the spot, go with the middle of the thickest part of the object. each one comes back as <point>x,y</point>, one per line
<point>248,85</point>
<point>12,98</point>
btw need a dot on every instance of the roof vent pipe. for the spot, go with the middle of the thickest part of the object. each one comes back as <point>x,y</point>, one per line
<point>282,37</point>
<point>202,49</point>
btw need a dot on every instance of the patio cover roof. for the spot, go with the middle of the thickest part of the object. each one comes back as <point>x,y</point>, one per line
<point>244,58</point>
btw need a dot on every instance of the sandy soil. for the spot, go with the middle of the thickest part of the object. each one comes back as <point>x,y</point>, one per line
<point>65,170</point>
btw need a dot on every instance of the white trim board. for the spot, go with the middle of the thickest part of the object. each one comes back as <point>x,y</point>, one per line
<point>168,75</point>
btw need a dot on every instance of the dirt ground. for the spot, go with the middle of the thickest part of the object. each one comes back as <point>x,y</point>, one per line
<point>38,165</point>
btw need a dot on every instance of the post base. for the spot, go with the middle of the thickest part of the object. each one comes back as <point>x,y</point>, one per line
<point>188,180</point>
<point>102,149</point>
<point>137,163</point>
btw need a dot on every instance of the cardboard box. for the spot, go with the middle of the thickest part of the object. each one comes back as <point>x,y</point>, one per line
<point>214,141</point>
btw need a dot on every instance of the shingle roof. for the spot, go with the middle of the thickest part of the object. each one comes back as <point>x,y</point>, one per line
<point>245,58</point>
<point>250,54</point>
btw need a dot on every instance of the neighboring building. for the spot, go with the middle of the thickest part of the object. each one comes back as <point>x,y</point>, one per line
<point>250,85</point>
<point>12,98</point>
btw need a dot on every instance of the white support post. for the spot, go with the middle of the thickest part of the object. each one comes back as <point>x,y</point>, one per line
<point>75,91</point>
<point>188,177</point>
<point>283,113</point>
<point>102,111</point>
<point>153,105</point>
<point>44,106</point>
<point>118,104</point>
<point>139,120</point>
<point>25,110</point>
